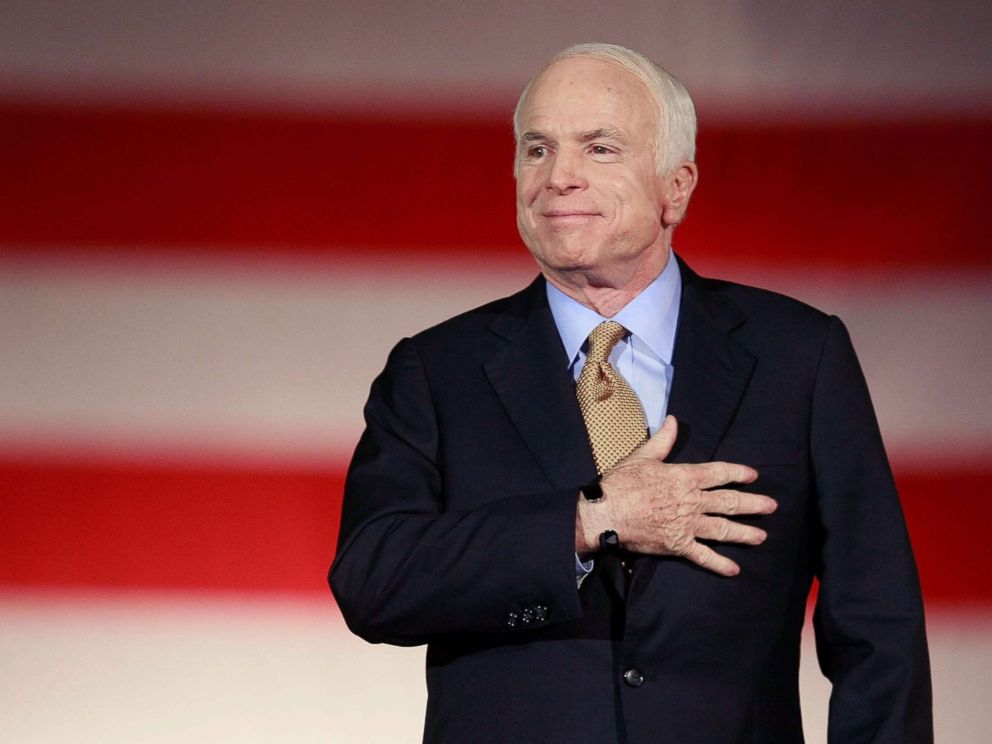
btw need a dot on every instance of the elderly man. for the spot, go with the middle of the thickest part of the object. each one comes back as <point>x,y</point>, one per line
<point>602,501</point>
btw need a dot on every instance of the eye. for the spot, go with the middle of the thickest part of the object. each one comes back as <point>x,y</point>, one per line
<point>537,151</point>
<point>601,150</point>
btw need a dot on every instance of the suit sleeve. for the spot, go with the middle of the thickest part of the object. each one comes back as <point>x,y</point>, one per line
<point>406,570</point>
<point>869,623</point>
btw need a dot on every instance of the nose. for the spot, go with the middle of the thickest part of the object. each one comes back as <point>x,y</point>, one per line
<point>565,174</point>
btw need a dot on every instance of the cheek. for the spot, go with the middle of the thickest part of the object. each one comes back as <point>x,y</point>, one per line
<point>527,188</point>
<point>636,209</point>
<point>526,222</point>
<point>646,201</point>
<point>626,197</point>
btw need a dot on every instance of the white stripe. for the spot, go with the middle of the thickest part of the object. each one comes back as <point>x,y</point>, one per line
<point>743,54</point>
<point>211,360</point>
<point>167,668</point>
<point>274,361</point>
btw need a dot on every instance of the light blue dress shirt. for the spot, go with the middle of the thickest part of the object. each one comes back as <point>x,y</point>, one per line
<point>643,358</point>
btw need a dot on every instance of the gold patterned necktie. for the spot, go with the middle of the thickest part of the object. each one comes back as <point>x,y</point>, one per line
<point>611,409</point>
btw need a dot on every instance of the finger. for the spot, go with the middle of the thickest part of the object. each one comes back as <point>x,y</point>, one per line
<point>728,501</point>
<point>726,530</point>
<point>711,474</point>
<point>709,559</point>
<point>660,444</point>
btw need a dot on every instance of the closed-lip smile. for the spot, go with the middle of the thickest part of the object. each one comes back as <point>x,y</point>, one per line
<point>568,213</point>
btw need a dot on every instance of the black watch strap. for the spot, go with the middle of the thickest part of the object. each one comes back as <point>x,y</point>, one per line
<point>609,542</point>
<point>592,493</point>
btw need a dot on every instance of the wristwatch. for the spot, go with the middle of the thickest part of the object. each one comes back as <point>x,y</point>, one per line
<point>609,542</point>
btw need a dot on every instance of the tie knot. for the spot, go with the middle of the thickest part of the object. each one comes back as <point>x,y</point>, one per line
<point>603,338</point>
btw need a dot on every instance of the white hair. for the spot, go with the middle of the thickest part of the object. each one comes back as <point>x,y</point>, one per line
<point>676,136</point>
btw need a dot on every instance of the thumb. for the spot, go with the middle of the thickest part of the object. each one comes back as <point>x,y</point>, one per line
<point>659,445</point>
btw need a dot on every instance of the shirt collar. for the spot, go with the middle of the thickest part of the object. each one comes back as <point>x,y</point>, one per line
<point>651,317</point>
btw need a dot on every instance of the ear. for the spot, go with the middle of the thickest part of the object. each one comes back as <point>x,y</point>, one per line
<point>678,188</point>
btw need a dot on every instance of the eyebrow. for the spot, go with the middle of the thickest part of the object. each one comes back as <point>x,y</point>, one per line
<point>603,133</point>
<point>532,135</point>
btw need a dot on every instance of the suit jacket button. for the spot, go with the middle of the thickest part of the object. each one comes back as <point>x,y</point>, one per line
<point>541,613</point>
<point>527,617</point>
<point>511,620</point>
<point>633,677</point>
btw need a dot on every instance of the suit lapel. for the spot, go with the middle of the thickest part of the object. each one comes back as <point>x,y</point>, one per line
<point>530,376</point>
<point>712,370</point>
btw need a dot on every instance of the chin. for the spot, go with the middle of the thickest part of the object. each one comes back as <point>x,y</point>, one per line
<point>570,255</point>
<point>564,263</point>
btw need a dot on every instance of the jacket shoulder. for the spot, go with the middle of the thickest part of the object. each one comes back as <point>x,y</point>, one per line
<point>769,313</point>
<point>765,304</point>
<point>782,330</point>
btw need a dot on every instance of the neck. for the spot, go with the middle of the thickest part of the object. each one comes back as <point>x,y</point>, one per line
<point>609,293</point>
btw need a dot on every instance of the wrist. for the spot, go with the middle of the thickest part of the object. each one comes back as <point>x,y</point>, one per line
<point>592,520</point>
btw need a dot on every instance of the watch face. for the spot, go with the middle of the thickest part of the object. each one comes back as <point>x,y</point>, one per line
<point>609,542</point>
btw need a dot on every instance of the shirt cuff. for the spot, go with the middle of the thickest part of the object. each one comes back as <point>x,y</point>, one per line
<point>582,569</point>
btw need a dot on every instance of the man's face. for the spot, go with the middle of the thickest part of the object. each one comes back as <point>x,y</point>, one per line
<point>589,198</point>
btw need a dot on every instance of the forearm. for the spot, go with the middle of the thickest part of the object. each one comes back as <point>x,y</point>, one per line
<point>409,578</point>
<point>586,537</point>
<point>410,568</point>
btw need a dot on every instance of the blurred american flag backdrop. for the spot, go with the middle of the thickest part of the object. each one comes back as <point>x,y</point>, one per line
<point>216,219</point>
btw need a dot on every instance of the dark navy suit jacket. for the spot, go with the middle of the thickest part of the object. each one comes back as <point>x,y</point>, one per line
<point>459,520</point>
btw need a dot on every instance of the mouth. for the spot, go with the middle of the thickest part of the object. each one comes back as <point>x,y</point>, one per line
<point>565,217</point>
<point>553,213</point>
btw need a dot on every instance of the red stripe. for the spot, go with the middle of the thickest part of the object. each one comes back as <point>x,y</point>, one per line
<point>132,526</point>
<point>948,514</point>
<point>159,527</point>
<point>880,194</point>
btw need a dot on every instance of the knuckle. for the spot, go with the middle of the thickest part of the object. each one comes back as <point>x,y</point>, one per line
<point>723,472</point>
<point>703,557</point>
<point>731,502</point>
<point>681,544</point>
<point>723,530</point>
<point>693,501</point>
<point>687,475</point>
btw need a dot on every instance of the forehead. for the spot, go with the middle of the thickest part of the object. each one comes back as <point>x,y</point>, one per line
<point>588,93</point>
